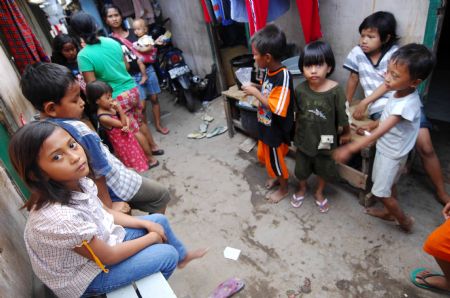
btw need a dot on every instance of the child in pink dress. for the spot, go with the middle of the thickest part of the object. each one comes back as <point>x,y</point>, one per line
<point>119,129</point>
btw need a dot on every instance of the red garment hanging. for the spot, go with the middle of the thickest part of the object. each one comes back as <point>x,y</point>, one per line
<point>21,41</point>
<point>205,12</point>
<point>257,11</point>
<point>310,19</point>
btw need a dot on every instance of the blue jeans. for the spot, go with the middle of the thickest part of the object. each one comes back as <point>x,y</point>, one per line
<point>151,86</point>
<point>152,259</point>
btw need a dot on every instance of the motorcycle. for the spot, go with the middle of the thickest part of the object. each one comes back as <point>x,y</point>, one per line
<point>172,70</point>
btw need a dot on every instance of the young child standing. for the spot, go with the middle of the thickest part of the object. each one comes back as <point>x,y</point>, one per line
<point>70,236</point>
<point>321,111</point>
<point>275,113</point>
<point>397,130</point>
<point>151,87</point>
<point>368,62</point>
<point>111,117</point>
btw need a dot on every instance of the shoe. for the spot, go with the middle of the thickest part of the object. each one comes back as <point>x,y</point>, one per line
<point>217,131</point>
<point>323,206</point>
<point>296,202</point>
<point>158,152</point>
<point>196,135</point>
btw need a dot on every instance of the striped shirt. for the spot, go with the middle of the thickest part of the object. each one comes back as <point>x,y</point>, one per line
<point>52,232</point>
<point>275,121</point>
<point>370,76</point>
<point>123,183</point>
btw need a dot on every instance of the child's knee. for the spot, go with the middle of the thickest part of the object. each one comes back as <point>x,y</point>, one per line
<point>426,150</point>
<point>158,218</point>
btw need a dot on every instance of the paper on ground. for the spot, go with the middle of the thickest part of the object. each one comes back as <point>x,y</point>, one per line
<point>231,253</point>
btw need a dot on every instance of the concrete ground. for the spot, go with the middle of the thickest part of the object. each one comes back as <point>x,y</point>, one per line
<point>218,201</point>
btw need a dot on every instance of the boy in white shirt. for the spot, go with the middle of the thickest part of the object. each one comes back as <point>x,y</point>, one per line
<point>397,130</point>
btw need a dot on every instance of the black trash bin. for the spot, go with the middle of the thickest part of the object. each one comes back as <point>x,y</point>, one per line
<point>242,61</point>
<point>249,119</point>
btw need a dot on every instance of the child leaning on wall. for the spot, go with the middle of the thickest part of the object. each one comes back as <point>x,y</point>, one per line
<point>275,113</point>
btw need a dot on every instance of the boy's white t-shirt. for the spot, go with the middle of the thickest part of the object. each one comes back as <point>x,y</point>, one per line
<point>401,138</point>
<point>370,76</point>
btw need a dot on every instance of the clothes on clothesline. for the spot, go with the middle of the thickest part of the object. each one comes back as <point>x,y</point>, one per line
<point>275,8</point>
<point>20,40</point>
<point>90,7</point>
<point>219,7</point>
<point>139,8</point>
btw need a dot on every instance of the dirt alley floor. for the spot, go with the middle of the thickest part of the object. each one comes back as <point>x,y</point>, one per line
<point>218,201</point>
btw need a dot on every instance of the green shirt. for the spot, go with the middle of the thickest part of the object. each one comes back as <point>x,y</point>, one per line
<point>105,59</point>
<point>319,113</point>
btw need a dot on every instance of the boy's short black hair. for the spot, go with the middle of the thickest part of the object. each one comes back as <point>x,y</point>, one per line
<point>43,82</point>
<point>270,40</point>
<point>418,58</point>
<point>95,90</point>
<point>385,24</point>
<point>317,53</point>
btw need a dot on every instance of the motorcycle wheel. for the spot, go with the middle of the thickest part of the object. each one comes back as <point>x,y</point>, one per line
<point>190,100</point>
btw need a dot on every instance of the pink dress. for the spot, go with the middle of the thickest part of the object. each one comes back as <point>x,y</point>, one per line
<point>125,145</point>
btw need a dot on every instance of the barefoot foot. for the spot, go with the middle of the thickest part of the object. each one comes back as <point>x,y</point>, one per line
<point>192,255</point>
<point>407,225</point>
<point>380,213</point>
<point>271,183</point>
<point>277,196</point>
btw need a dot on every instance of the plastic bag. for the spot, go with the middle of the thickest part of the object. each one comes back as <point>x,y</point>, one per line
<point>244,75</point>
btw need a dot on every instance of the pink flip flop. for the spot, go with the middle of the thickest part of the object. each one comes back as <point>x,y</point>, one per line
<point>228,288</point>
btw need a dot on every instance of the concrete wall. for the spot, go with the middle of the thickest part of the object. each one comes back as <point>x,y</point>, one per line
<point>189,33</point>
<point>340,20</point>
<point>16,275</point>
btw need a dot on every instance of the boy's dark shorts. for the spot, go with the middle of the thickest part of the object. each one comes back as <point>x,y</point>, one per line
<point>322,165</point>
<point>424,122</point>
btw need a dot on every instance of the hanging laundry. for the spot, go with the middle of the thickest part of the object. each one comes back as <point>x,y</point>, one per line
<point>310,19</point>
<point>205,12</point>
<point>144,9</point>
<point>126,6</point>
<point>20,40</point>
<point>219,13</point>
<point>262,11</point>
<point>90,7</point>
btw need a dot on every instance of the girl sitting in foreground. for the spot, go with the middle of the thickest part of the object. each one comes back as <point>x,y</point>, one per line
<point>70,237</point>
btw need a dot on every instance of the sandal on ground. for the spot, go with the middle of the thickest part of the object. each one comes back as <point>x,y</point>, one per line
<point>207,118</point>
<point>217,131</point>
<point>296,202</point>
<point>413,276</point>
<point>196,135</point>
<point>158,152</point>
<point>153,165</point>
<point>323,206</point>
<point>163,130</point>
<point>228,288</point>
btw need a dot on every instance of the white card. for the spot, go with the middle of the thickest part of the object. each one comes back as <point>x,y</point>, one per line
<point>231,253</point>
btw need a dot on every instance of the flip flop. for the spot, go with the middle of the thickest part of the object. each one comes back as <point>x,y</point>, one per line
<point>158,152</point>
<point>228,288</point>
<point>426,285</point>
<point>323,208</point>
<point>153,165</point>
<point>217,131</point>
<point>296,202</point>
<point>196,135</point>
<point>207,118</point>
<point>163,131</point>
<point>203,127</point>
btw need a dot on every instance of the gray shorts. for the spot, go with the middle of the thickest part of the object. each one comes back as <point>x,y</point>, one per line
<point>386,172</point>
<point>151,197</point>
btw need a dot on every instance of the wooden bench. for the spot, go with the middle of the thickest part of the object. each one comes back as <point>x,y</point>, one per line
<point>153,286</point>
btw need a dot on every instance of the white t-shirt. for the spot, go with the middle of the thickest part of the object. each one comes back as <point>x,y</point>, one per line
<point>398,141</point>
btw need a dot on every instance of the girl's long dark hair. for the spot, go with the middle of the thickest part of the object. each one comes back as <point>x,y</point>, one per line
<point>24,150</point>
<point>57,46</point>
<point>83,25</point>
